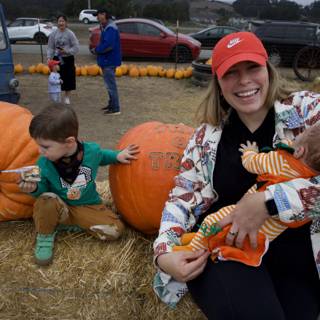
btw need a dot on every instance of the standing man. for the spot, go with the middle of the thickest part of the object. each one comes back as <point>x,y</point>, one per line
<point>108,58</point>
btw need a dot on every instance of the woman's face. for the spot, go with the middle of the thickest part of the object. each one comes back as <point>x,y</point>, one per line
<point>62,23</point>
<point>245,87</point>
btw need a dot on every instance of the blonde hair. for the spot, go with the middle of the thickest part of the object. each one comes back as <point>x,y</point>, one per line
<point>311,142</point>
<point>213,108</point>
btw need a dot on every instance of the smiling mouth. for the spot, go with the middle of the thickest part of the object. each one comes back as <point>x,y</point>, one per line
<point>246,94</point>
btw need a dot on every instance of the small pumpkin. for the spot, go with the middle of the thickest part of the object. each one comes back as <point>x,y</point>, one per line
<point>93,70</point>
<point>143,71</point>
<point>178,75</point>
<point>78,71</point>
<point>134,72</point>
<point>162,72</point>
<point>187,73</point>
<point>141,189</point>
<point>18,68</point>
<point>45,70</point>
<point>152,71</point>
<point>39,67</point>
<point>118,72</point>
<point>170,73</point>
<point>124,69</point>
<point>32,69</point>
<point>18,150</point>
<point>83,71</point>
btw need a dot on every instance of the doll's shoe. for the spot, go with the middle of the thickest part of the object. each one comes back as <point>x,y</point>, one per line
<point>69,228</point>
<point>67,100</point>
<point>186,238</point>
<point>44,248</point>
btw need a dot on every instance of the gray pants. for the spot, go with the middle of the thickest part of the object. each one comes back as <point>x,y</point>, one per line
<point>55,96</point>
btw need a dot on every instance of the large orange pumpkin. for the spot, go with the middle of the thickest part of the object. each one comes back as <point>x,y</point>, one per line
<point>141,189</point>
<point>17,150</point>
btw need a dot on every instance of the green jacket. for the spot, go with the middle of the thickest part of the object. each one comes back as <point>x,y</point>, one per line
<point>83,190</point>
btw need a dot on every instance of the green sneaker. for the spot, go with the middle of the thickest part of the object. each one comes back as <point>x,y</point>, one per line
<point>68,228</point>
<point>44,248</point>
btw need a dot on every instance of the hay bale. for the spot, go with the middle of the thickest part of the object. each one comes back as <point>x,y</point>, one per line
<point>89,279</point>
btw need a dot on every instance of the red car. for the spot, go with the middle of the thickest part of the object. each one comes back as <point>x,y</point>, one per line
<point>150,39</point>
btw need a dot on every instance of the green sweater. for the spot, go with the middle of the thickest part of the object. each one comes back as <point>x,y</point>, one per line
<point>83,190</point>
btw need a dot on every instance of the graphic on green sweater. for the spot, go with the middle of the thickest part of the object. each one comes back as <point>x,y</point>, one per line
<point>83,190</point>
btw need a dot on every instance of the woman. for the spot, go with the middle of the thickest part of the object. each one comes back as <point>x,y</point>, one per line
<point>62,46</point>
<point>245,102</point>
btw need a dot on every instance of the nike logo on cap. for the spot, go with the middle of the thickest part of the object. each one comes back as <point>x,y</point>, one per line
<point>233,42</point>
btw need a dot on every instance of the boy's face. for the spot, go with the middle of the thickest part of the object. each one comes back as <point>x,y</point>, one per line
<point>53,150</point>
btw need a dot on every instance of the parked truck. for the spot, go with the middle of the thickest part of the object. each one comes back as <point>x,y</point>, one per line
<point>8,83</point>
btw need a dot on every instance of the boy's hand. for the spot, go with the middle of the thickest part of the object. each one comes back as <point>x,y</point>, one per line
<point>127,154</point>
<point>61,81</point>
<point>27,186</point>
<point>250,146</point>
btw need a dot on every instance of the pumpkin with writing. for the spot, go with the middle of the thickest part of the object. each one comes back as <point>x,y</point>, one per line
<point>140,190</point>
<point>18,150</point>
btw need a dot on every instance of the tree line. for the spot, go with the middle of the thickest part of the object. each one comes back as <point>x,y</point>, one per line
<point>165,9</point>
<point>277,10</point>
<point>168,10</point>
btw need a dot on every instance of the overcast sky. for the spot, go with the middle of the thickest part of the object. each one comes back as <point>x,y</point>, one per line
<point>302,2</point>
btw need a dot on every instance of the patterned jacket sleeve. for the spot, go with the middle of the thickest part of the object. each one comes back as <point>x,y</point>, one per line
<point>299,198</point>
<point>190,197</point>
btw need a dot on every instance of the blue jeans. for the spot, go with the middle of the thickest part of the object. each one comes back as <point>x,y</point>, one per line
<point>111,85</point>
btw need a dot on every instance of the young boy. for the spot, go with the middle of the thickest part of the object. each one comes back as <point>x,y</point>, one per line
<point>66,193</point>
<point>272,167</point>
<point>54,81</point>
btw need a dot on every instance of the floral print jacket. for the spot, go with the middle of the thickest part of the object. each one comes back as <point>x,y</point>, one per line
<point>194,193</point>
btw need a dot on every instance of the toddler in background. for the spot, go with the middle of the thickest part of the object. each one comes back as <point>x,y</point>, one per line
<point>54,81</point>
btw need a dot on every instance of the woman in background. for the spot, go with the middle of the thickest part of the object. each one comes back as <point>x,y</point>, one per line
<point>63,45</point>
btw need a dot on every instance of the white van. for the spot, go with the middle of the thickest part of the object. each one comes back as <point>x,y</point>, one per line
<point>86,16</point>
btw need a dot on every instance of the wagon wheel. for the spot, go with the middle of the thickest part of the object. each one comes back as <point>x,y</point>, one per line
<point>183,55</point>
<point>306,64</point>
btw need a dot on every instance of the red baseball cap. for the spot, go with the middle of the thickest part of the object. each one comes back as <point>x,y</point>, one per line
<point>52,63</point>
<point>237,47</point>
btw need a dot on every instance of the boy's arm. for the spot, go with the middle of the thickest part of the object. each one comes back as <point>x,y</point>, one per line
<point>109,156</point>
<point>119,156</point>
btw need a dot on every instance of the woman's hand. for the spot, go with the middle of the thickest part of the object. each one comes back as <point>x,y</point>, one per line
<point>127,154</point>
<point>183,266</point>
<point>246,219</point>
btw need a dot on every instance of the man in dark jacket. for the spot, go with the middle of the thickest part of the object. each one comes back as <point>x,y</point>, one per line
<point>108,58</point>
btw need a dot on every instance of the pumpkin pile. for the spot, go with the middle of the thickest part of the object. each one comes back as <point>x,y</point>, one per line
<point>140,190</point>
<point>18,150</point>
<point>131,70</point>
<point>153,71</point>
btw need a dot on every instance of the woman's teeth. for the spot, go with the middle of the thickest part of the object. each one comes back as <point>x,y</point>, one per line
<point>247,93</point>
